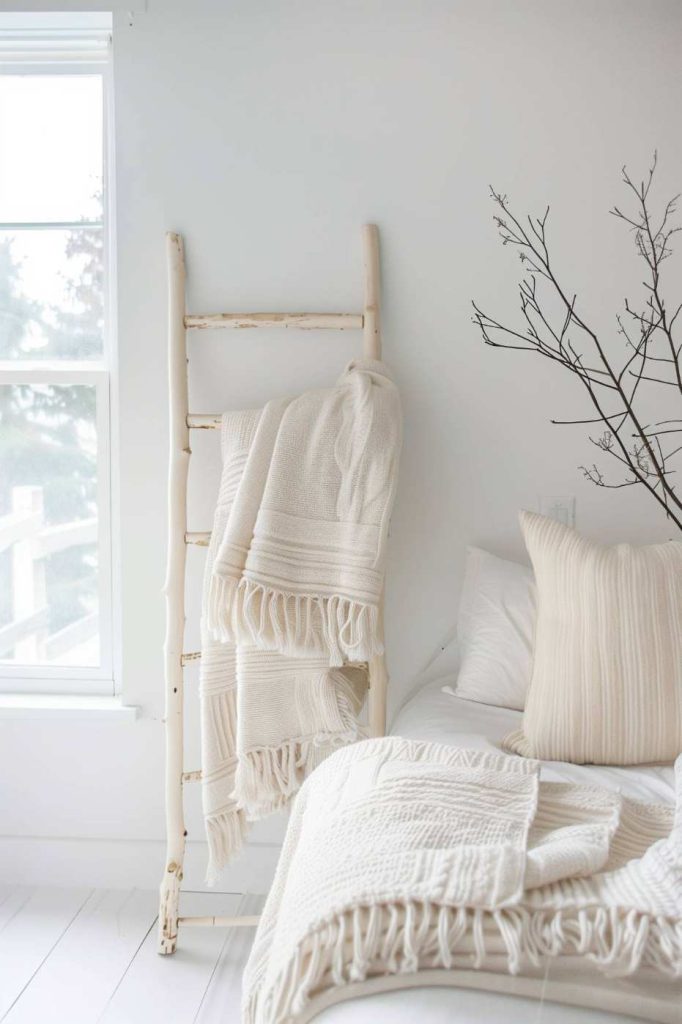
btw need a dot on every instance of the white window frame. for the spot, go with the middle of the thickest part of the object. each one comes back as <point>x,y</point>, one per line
<point>75,53</point>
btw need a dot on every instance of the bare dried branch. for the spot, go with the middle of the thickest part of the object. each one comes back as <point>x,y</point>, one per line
<point>569,340</point>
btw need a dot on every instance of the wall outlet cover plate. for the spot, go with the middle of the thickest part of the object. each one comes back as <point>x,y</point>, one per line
<point>558,506</point>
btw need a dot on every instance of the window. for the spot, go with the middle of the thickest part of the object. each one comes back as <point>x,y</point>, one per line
<point>55,350</point>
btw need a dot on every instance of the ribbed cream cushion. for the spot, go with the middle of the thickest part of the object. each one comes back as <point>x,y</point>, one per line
<point>606,683</point>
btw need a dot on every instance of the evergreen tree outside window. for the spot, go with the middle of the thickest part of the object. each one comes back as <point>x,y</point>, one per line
<point>55,532</point>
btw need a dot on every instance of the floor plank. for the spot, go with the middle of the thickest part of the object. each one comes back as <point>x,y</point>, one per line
<point>41,918</point>
<point>5,892</point>
<point>13,901</point>
<point>221,1002</point>
<point>171,989</point>
<point>78,978</point>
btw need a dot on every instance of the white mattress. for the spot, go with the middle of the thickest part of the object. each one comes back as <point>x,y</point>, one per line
<point>434,715</point>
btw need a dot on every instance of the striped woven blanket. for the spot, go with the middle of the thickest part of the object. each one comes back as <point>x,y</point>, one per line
<point>403,857</point>
<point>292,590</point>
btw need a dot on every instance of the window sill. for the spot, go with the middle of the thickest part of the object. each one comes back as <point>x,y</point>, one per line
<point>65,708</point>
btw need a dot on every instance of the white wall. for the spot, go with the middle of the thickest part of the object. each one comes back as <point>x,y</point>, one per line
<point>267,133</point>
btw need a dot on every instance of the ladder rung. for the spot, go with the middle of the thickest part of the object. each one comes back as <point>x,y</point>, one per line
<point>190,656</point>
<point>248,921</point>
<point>192,776</point>
<point>204,421</point>
<point>202,539</point>
<point>304,321</point>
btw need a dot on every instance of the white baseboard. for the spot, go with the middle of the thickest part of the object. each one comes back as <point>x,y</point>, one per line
<point>126,863</point>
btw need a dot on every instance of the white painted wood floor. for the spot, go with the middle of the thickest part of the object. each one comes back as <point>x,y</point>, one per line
<point>85,956</point>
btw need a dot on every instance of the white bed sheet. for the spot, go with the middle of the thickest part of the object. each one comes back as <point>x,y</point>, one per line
<point>434,715</point>
<point>431,714</point>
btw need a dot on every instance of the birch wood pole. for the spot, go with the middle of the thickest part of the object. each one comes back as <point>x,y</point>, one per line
<point>298,321</point>
<point>378,674</point>
<point>174,591</point>
<point>372,307</point>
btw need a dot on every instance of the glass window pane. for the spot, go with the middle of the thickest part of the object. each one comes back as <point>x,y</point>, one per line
<point>48,525</point>
<point>50,147</point>
<point>51,294</point>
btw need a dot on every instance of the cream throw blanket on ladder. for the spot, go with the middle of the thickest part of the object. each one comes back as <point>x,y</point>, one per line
<point>292,592</point>
<point>402,857</point>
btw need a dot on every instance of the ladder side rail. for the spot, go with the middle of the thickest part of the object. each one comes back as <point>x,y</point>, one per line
<point>174,591</point>
<point>378,673</point>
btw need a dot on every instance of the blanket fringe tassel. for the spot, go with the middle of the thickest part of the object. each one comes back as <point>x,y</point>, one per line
<point>225,833</point>
<point>267,778</point>
<point>241,611</point>
<point>403,938</point>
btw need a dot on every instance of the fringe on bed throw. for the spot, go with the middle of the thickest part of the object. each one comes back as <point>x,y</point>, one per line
<point>267,778</point>
<point>403,938</point>
<point>241,611</point>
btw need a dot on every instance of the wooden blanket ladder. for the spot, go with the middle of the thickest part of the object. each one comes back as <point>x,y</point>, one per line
<point>182,422</point>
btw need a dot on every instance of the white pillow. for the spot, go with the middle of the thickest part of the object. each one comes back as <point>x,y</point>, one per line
<point>495,631</point>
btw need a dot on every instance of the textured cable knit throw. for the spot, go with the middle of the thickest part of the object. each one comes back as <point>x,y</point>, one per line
<point>292,592</point>
<point>404,857</point>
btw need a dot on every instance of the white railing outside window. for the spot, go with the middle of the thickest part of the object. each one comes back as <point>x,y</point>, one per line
<point>55,355</point>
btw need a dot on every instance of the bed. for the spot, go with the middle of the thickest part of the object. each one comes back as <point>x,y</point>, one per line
<point>432,714</point>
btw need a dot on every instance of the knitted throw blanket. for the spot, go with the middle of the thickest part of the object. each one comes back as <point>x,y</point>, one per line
<point>292,589</point>
<point>404,856</point>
